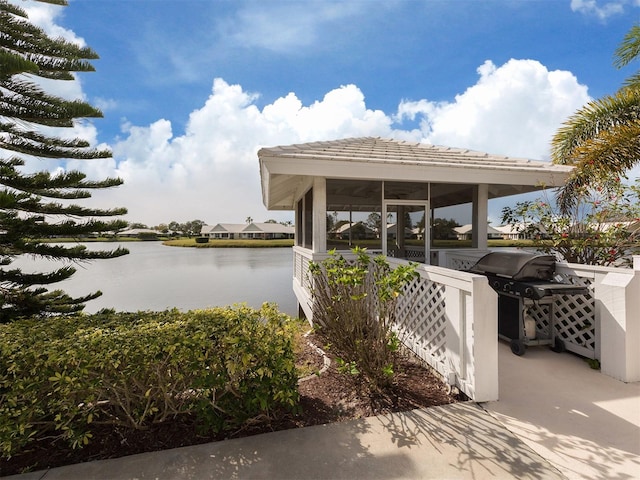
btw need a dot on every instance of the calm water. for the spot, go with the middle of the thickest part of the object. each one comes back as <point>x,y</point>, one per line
<point>156,277</point>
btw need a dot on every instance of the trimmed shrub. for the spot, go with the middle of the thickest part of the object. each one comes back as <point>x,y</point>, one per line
<point>354,305</point>
<point>226,366</point>
<point>202,239</point>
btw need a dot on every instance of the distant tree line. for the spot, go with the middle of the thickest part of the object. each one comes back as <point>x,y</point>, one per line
<point>190,228</point>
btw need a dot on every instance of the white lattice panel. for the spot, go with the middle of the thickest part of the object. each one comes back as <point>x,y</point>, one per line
<point>422,321</point>
<point>541,313</point>
<point>422,324</point>
<point>575,320</point>
<point>305,276</point>
<point>462,264</point>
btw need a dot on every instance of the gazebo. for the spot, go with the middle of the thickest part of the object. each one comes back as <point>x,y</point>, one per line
<point>388,182</point>
<point>397,180</point>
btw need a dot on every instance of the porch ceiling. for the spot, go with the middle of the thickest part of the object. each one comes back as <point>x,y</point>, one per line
<point>285,169</point>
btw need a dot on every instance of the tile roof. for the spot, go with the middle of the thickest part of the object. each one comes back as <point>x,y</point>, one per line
<point>285,170</point>
<point>375,149</point>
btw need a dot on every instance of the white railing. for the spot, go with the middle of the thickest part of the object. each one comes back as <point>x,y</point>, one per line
<point>573,316</point>
<point>603,324</point>
<point>460,259</point>
<point>447,318</point>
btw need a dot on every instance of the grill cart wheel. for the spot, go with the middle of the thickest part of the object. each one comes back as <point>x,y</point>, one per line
<point>518,347</point>
<point>558,345</point>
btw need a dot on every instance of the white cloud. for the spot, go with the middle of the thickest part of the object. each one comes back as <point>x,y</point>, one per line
<point>45,16</point>
<point>285,27</point>
<point>512,110</point>
<point>601,11</point>
<point>211,171</point>
<point>105,104</point>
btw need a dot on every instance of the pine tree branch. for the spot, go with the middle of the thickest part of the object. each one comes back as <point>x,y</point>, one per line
<point>25,219</point>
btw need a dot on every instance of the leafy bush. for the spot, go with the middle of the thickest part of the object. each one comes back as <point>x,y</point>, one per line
<point>225,366</point>
<point>355,307</point>
<point>601,228</point>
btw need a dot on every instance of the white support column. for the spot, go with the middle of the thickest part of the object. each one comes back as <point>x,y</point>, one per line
<point>319,215</point>
<point>619,297</point>
<point>480,216</point>
<point>454,335</point>
<point>471,336</point>
<point>481,339</point>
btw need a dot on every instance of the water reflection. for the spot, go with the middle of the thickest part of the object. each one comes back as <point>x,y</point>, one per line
<point>155,277</point>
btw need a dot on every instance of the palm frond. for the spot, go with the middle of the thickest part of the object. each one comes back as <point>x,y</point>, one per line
<point>629,49</point>
<point>609,112</point>
<point>601,161</point>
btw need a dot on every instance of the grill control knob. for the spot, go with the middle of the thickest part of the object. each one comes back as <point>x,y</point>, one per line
<point>528,292</point>
<point>496,284</point>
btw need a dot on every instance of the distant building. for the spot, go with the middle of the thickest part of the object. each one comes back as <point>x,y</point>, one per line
<point>137,232</point>
<point>515,231</point>
<point>250,231</point>
<point>222,231</point>
<point>464,232</point>
<point>357,230</point>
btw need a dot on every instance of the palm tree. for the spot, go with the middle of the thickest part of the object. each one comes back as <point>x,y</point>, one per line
<point>602,139</point>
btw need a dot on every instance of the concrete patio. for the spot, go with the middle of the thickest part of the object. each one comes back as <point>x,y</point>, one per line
<point>585,423</point>
<point>556,419</point>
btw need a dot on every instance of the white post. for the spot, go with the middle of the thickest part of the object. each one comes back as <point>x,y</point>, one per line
<point>472,339</point>
<point>455,334</point>
<point>319,242</point>
<point>482,339</point>
<point>480,216</point>
<point>619,297</point>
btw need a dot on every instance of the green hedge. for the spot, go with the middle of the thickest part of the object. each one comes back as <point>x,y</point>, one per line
<point>60,377</point>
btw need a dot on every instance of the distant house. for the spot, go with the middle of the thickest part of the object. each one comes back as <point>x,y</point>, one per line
<point>251,231</point>
<point>222,231</point>
<point>392,231</point>
<point>464,232</point>
<point>516,231</point>
<point>631,226</point>
<point>268,231</point>
<point>357,230</point>
<point>139,232</point>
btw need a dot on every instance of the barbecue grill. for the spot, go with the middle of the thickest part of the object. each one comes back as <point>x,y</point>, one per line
<point>525,280</point>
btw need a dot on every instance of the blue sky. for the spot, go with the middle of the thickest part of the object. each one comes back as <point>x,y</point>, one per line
<point>191,89</point>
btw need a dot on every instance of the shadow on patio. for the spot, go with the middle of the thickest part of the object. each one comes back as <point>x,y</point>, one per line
<point>584,422</point>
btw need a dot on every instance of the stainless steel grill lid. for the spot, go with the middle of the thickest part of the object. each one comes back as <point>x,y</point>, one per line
<point>516,265</point>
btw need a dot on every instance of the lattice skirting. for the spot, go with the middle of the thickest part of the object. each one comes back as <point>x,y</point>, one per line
<point>422,322</point>
<point>575,320</point>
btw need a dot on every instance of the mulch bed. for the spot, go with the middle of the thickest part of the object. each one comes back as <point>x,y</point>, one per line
<point>326,398</point>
